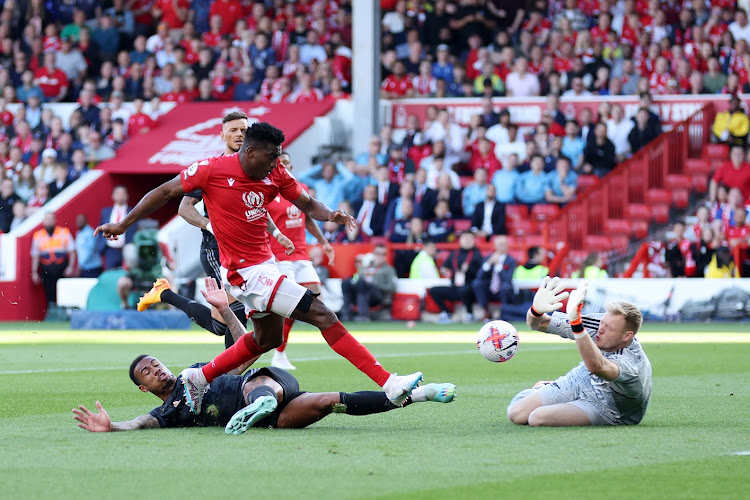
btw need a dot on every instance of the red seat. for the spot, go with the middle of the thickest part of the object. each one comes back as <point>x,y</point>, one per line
<point>531,240</point>
<point>597,242</point>
<point>522,227</point>
<point>465,180</point>
<point>640,229</point>
<point>715,151</point>
<point>461,225</point>
<point>618,227</point>
<point>658,196</point>
<point>700,184</point>
<point>587,181</point>
<point>516,211</point>
<point>660,213</point>
<point>679,181</point>
<point>544,211</point>
<point>406,307</point>
<point>432,307</point>
<point>698,166</point>
<point>681,198</point>
<point>638,211</point>
<point>619,242</point>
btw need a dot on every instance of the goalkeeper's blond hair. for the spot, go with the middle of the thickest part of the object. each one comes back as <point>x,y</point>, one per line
<point>633,316</point>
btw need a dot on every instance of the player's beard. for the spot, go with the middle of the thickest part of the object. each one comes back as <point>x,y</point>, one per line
<point>234,150</point>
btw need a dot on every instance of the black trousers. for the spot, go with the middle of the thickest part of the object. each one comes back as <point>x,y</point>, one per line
<point>360,293</point>
<point>440,294</point>
<point>50,273</point>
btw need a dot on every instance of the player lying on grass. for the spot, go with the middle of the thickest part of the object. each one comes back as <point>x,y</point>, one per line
<point>611,386</point>
<point>237,190</point>
<point>263,397</point>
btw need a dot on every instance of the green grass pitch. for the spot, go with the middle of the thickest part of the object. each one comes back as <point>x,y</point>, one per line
<point>693,443</point>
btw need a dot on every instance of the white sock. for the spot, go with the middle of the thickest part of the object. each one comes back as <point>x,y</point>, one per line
<point>418,395</point>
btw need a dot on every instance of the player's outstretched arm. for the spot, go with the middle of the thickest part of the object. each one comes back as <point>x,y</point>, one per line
<point>217,297</point>
<point>154,200</point>
<point>191,214</point>
<point>100,422</point>
<point>548,298</point>
<point>314,229</point>
<point>595,361</point>
<point>319,211</point>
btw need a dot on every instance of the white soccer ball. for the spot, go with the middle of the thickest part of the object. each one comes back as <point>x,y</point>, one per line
<point>497,341</point>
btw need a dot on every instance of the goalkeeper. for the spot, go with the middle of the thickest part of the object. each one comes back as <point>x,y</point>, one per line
<point>611,385</point>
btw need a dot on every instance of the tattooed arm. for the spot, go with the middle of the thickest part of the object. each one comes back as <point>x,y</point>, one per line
<point>100,422</point>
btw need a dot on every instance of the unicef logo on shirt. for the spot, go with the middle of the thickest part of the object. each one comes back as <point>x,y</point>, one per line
<point>293,212</point>
<point>253,199</point>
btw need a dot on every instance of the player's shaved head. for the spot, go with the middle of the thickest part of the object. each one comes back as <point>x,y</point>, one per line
<point>133,365</point>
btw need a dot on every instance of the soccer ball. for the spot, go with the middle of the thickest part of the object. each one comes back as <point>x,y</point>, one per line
<point>497,341</point>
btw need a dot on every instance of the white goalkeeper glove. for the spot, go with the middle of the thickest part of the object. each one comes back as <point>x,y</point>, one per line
<point>549,297</point>
<point>575,302</point>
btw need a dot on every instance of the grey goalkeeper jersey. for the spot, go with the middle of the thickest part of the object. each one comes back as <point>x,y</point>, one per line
<point>625,398</point>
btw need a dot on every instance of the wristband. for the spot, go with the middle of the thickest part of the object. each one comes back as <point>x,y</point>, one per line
<point>209,228</point>
<point>578,330</point>
<point>276,233</point>
<point>535,313</point>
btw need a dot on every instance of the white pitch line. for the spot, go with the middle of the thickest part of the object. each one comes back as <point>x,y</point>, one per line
<point>313,358</point>
<point>742,453</point>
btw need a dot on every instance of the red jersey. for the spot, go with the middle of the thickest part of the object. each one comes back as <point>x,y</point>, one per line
<point>169,14</point>
<point>734,178</point>
<point>211,39</point>
<point>230,12</point>
<point>309,95</point>
<point>291,222</point>
<point>738,233</point>
<point>237,205</point>
<point>140,123</point>
<point>50,82</point>
<point>399,86</point>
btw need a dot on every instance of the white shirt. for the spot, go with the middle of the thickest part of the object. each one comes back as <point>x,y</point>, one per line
<point>526,86</point>
<point>487,221</point>
<point>738,32</point>
<point>433,174</point>
<point>454,139</point>
<point>498,134</point>
<point>118,213</point>
<point>618,134</point>
<point>364,217</point>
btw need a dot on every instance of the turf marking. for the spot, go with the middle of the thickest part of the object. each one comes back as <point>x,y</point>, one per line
<point>742,453</point>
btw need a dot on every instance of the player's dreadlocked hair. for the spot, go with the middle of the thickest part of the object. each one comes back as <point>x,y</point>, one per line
<point>263,133</point>
<point>133,365</point>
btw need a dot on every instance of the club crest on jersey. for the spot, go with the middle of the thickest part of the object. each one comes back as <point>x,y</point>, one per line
<point>255,202</point>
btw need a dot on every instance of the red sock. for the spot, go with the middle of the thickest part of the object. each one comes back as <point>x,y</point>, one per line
<point>288,322</point>
<point>347,346</point>
<point>243,350</point>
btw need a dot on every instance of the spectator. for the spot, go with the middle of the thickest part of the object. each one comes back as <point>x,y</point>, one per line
<point>521,83</point>
<point>78,165</point>
<point>562,183</point>
<point>53,256</point>
<point>530,185</point>
<point>577,88</point>
<point>505,180</point>
<point>489,216</point>
<point>400,228</point>
<point>374,283</point>
<point>703,250</point>
<point>394,211</point>
<point>445,130</point>
<point>311,50</point>
<point>494,281</point>
<point>88,109</point>
<point>514,146</point>
<point>370,216</point>
<point>423,267</point>
<point>739,233</point>
<point>24,184</point>
<point>8,198</point>
<point>328,181</point>
<point>488,83</point>
<point>721,264</point>
<point>52,80</point>
<point>578,19</point>
<point>733,174</point>
<point>678,255</point>
<point>714,79</point>
<point>139,122</point>
<point>45,172</point>
<point>573,144</point>
<point>172,13</point>
<point>592,267</point>
<point>71,62</point>
<point>462,266</point>
<point>599,154</point>
<point>111,250</point>
<point>373,151</point>
<point>399,168</point>
<point>106,37</point>
<point>387,190</point>
<point>643,132</point>
<point>484,157</point>
<point>247,88</point>
<point>19,214</point>
<point>61,180</point>
<point>440,229</point>
<point>618,131</point>
<point>398,84</point>
<point>445,190</point>
<point>474,192</point>
<point>96,151</point>
<point>740,28</point>
<point>89,261</point>
<point>732,126</point>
